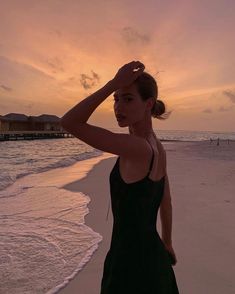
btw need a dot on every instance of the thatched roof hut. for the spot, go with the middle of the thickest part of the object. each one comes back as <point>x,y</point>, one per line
<point>22,122</point>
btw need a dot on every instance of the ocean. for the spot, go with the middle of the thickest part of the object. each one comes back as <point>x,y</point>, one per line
<point>44,240</point>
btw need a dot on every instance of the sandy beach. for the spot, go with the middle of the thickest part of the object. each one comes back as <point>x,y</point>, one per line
<point>202,177</point>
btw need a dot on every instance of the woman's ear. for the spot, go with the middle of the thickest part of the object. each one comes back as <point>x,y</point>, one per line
<point>150,102</point>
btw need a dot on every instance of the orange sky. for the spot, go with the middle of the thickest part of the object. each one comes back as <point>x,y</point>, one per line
<point>55,53</point>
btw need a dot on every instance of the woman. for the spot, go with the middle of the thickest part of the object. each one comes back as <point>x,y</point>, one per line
<point>138,260</point>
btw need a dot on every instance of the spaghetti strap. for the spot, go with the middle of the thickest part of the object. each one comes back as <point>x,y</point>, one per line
<point>151,164</point>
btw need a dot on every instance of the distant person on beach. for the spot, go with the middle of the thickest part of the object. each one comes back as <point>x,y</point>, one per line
<point>138,261</point>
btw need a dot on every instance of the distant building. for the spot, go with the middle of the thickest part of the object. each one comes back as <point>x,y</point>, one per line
<point>21,122</point>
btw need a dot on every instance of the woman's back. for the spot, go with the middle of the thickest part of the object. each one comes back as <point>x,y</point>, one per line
<point>134,169</point>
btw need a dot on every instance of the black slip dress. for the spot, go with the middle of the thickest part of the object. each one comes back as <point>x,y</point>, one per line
<point>137,261</point>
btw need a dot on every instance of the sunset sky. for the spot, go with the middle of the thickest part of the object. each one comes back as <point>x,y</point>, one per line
<point>55,53</point>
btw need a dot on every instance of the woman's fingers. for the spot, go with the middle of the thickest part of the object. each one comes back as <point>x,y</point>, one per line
<point>136,64</point>
<point>139,69</point>
<point>128,73</point>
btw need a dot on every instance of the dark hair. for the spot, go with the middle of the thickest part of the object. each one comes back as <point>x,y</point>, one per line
<point>147,87</point>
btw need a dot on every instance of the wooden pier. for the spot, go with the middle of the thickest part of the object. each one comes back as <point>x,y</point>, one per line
<point>32,135</point>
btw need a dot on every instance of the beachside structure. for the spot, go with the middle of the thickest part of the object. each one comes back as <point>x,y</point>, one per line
<point>16,126</point>
<point>22,122</point>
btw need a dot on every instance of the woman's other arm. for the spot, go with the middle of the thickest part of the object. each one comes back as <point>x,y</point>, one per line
<point>166,214</point>
<point>166,217</point>
<point>165,207</point>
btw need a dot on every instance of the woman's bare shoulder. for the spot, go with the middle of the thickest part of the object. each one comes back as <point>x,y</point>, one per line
<point>159,145</point>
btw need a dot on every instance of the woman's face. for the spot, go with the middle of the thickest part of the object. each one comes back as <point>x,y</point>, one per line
<point>129,107</point>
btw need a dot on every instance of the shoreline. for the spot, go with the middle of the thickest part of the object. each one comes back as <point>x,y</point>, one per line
<point>40,198</point>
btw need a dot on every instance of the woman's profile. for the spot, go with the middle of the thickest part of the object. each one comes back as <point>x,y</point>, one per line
<point>138,261</point>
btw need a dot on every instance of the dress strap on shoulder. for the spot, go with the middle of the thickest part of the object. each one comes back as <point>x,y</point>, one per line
<point>151,164</point>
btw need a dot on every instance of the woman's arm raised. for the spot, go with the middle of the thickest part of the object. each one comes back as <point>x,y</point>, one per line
<point>75,120</point>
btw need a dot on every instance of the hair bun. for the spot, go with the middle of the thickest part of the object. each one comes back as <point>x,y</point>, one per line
<point>147,87</point>
<point>158,108</point>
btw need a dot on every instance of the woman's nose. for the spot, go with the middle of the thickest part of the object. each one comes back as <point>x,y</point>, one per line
<point>119,109</point>
<point>118,106</point>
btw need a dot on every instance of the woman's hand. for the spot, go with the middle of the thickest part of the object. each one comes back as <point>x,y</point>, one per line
<point>170,249</point>
<point>128,73</point>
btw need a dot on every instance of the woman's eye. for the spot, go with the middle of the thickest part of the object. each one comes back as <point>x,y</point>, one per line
<point>128,99</point>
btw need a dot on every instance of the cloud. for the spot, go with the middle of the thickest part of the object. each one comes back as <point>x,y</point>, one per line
<point>17,69</point>
<point>130,35</point>
<point>230,95</point>
<point>96,76</point>
<point>207,110</point>
<point>27,81</point>
<point>222,109</point>
<point>55,64</point>
<point>88,82</point>
<point>8,89</point>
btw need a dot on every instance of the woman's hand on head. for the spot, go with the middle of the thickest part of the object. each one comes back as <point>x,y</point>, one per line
<point>128,73</point>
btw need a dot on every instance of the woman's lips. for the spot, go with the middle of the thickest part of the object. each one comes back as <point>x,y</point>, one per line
<point>120,117</point>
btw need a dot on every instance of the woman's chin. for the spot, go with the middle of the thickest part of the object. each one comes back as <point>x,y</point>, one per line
<point>122,124</point>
